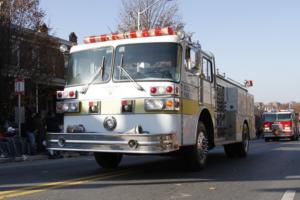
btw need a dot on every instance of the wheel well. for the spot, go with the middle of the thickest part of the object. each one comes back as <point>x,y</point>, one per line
<point>205,117</point>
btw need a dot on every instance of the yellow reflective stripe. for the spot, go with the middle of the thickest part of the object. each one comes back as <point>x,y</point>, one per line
<point>84,107</point>
<point>110,107</point>
<point>190,107</point>
<point>139,106</point>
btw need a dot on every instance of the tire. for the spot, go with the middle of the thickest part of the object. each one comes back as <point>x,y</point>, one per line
<point>108,160</point>
<point>294,137</point>
<point>239,149</point>
<point>196,155</point>
<point>243,147</point>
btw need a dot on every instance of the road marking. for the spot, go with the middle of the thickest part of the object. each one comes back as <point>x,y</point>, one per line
<point>181,196</point>
<point>293,177</point>
<point>54,185</point>
<point>60,182</point>
<point>286,149</point>
<point>289,195</point>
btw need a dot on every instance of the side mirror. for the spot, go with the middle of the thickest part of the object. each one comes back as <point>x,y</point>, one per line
<point>193,64</point>
<point>64,49</point>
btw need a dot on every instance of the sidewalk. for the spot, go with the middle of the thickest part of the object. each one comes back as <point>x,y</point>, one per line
<point>25,158</point>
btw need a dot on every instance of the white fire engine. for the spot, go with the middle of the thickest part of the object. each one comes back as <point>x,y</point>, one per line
<point>150,92</point>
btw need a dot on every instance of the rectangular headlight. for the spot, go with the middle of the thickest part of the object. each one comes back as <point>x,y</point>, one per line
<point>71,107</point>
<point>154,104</point>
<point>162,104</point>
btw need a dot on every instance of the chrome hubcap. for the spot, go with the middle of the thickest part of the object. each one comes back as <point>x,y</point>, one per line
<point>202,147</point>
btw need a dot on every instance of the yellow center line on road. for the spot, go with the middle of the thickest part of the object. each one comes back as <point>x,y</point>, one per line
<point>54,185</point>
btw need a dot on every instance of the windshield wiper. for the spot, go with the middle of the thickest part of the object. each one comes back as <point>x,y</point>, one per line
<point>136,84</point>
<point>99,72</point>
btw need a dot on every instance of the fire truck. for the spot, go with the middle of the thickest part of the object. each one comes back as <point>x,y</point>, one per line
<point>150,92</point>
<point>281,124</point>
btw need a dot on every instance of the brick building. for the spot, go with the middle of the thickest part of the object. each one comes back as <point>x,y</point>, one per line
<point>34,56</point>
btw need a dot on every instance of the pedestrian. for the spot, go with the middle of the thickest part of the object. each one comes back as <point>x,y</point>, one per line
<point>31,132</point>
<point>8,145</point>
<point>40,132</point>
<point>3,145</point>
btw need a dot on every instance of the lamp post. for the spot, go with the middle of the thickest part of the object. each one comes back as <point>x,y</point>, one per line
<point>141,12</point>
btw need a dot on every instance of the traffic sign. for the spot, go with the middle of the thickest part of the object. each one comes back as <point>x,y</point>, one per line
<point>19,86</point>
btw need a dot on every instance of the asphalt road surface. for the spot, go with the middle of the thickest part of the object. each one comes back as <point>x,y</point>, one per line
<point>271,171</point>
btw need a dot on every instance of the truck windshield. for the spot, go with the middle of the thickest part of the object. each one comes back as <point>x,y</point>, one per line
<point>269,117</point>
<point>284,117</point>
<point>84,64</point>
<point>152,61</point>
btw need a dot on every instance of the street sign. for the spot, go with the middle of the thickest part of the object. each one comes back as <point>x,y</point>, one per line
<point>19,86</point>
<point>19,90</point>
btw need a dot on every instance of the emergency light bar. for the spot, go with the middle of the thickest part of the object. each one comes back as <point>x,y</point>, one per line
<point>130,35</point>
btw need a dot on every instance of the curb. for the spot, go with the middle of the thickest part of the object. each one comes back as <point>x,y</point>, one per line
<point>26,158</point>
<point>23,158</point>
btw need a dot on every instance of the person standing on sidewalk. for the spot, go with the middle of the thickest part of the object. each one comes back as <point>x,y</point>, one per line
<point>31,132</point>
<point>40,132</point>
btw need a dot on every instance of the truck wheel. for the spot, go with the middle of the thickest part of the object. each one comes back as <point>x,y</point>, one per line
<point>196,155</point>
<point>108,160</point>
<point>242,148</point>
<point>239,149</point>
<point>294,137</point>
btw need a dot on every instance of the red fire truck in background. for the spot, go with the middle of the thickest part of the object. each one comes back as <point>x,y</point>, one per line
<point>282,124</point>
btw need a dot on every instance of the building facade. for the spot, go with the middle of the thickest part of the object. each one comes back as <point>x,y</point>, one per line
<point>35,57</point>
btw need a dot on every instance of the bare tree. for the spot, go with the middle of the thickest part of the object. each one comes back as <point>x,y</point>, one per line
<point>17,17</point>
<point>26,49</point>
<point>161,14</point>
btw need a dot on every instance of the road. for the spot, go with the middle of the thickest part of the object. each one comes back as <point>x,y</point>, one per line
<point>270,172</point>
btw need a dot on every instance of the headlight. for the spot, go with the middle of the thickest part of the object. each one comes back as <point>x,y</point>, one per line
<point>154,104</point>
<point>162,104</point>
<point>70,107</point>
<point>65,107</point>
<point>73,107</point>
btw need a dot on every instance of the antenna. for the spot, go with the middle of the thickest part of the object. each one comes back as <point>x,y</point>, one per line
<point>109,29</point>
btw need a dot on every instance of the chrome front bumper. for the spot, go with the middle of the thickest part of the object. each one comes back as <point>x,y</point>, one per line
<point>117,143</point>
<point>280,135</point>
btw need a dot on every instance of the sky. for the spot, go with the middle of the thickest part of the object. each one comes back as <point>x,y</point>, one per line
<point>257,40</point>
